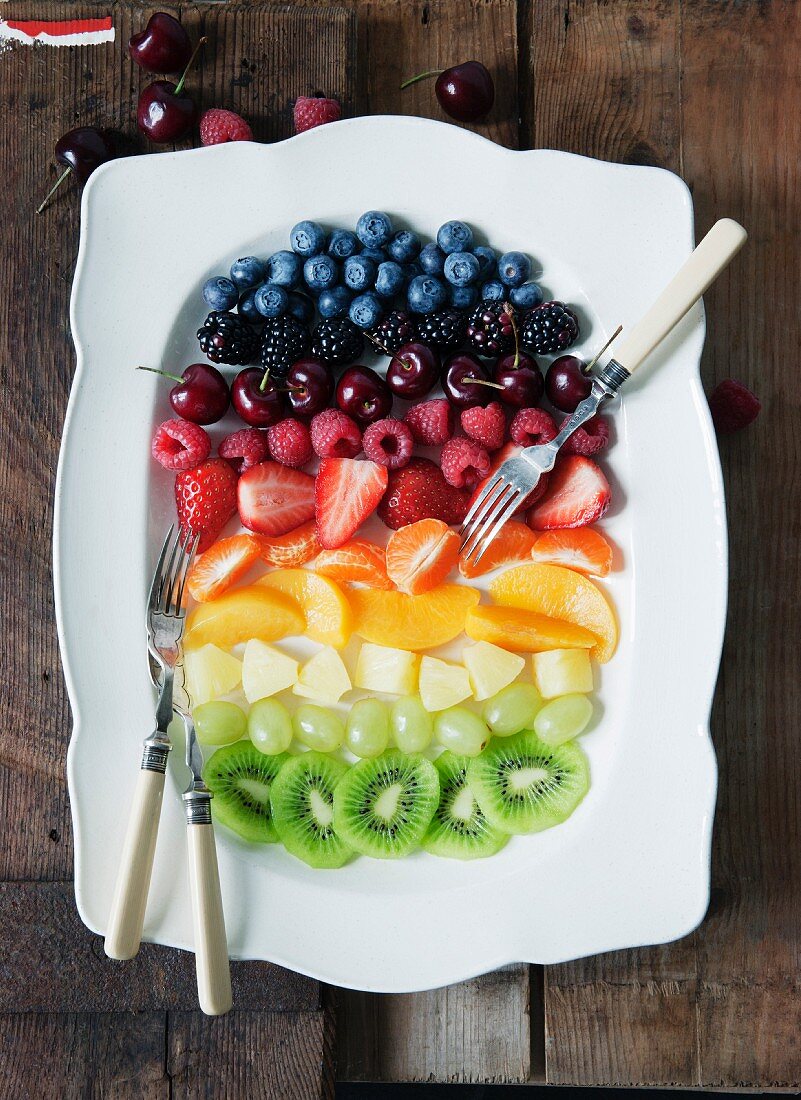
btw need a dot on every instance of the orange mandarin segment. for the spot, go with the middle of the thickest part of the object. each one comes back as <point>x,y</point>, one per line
<point>513,543</point>
<point>221,566</point>
<point>421,555</point>
<point>357,562</point>
<point>579,548</point>
<point>291,550</point>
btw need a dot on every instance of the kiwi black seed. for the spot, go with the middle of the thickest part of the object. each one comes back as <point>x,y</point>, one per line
<point>239,777</point>
<point>459,828</point>
<point>302,798</point>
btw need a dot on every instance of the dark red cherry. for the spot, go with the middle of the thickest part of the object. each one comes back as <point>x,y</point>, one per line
<point>162,47</point>
<point>256,398</point>
<point>465,382</point>
<point>364,395</point>
<point>413,371</point>
<point>523,384</point>
<point>566,384</point>
<point>465,92</point>
<point>165,112</point>
<point>200,395</point>
<point>81,151</point>
<point>310,386</point>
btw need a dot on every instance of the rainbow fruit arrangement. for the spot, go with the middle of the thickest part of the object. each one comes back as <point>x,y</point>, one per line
<point>351,483</point>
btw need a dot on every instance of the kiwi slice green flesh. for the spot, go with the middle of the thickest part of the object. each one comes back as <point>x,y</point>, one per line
<point>523,785</point>
<point>302,798</point>
<point>239,777</point>
<point>383,806</point>
<point>459,828</point>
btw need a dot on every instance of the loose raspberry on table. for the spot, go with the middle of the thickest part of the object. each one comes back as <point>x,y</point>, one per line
<point>464,462</point>
<point>180,444</point>
<point>486,426</point>
<point>733,406</point>
<point>245,448</point>
<point>530,427</point>
<point>335,435</point>
<point>218,126</point>
<point>431,422</point>
<point>316,110</point>
<point>290,442</point>
<point>587,440</point>
<point>389,442</point>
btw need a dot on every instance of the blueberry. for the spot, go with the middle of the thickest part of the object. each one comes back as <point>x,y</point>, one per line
<point>247,306</point>
<point>342,243</point>
<point>307,239</point>
<point>526,296</point>
<point>455,237</point>
<point>248,271</point>
<point>390,280</point>
<point>410,270</point>
<point>426,294</point>
<point>514,268</point>
<point>271,300</point>
<point>461,268</point>
<point>374,229</point>
<point>493,291</point>
<point>432,260</point>
<point>487,261</point>
<point>377,255</point>
<point>220,293</point>
<point>284,269</point>
<point>404,246</point>
<point>366,310</point>
<point>301,307</point>
<point>463,297</point>
<point>334,302</point>
<point>358,272</point>
<point>320,272</point>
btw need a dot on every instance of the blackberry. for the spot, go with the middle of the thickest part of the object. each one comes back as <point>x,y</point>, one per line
<point>337,341</point>
<point>397,328</point>
<point>226,338</point>
<point>445,329</point>
<point>490,328</point>
<point>549,328</point>
<point>284,341</point>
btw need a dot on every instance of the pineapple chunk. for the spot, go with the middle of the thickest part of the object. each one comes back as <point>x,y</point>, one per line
<point>323,678</point>
<point>266,670</point>
<point>562,672</point>
<point>442,684</point>
<point>380,668</point>
<point>491,668</point>
<point>210,672</point>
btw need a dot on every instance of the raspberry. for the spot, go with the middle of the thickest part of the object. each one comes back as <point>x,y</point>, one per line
<point>587,440</point>
<point>179,445</point>
<point>311,111</point>
<point>218,126</point>
<point>335,435</point>
<point>290,442</point>
<point>487,426</point>
<point>389,442</point>
<point>531,427</point>
<point>431,423</point>
<point>733,406</point>
<point>464,462</point>
<point>244,449</point>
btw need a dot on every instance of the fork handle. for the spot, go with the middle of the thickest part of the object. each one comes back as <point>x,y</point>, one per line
<point>127,917</point>
<point>211,945</point>
<point>721,244</point>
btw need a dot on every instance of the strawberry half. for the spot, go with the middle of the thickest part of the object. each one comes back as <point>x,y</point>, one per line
<point>420,491</point>
<point>205,498</point>
<point>578,494</point>
<point>274,499</point>
<point>346,492</point>
<point>224,563</point>
<point>511,450</point>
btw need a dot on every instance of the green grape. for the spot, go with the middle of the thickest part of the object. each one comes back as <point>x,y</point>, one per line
<point>367,731</point>
<point>219,723</point>
<point>411,724</point>
<point>563,719</point>
<point>512,709</point>
<point>318,728</point>
<point>461,731</point>
<point>270,726</point>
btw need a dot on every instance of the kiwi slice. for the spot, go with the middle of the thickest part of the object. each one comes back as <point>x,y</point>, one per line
<point>383,806</point>
<point>523,785</point>
<point>239,777</point>
<point>459,828</point>
<point>302,798</point>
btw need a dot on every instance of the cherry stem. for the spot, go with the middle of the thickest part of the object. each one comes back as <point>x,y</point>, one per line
<point>614,336</point>
<point>53,189</point>
<point>393,356</point>
<point>482,382</point>
<point>163,373</point>
<point>264,381</point>
<point>179,87</point>
<point>292,389</point>
<point>511,312</point>
<point>421,76</point>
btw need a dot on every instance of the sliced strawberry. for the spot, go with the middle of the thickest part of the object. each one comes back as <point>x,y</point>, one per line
<point>511,450</point>
<point>582,549</point>
<point>205,498</point>
<point>291,550</point>
<point>420,491</point>
<point>578,494</point>
<point>221,566</point>
<point>274,499</point>
<point>346,492</point>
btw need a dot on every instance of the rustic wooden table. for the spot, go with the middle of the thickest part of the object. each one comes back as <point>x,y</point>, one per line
<point>706,88</point>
